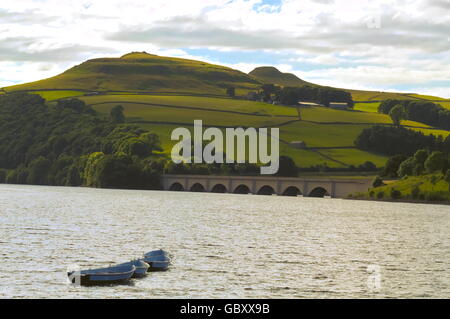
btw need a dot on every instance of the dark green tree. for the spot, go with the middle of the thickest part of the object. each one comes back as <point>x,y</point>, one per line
<point>2,176</point>
<point>435,162</point>
<point>397,114</point>
<point>392,165</point>
<point>287,167</point>
<point>377,182</point>
<point>116,114</point>
<point>406,167</point>
<point>231,92</point>
<point>447,178</point>
<point>38,171</point>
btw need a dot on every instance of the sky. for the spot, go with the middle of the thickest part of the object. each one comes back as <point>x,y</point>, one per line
<point>382,45</point>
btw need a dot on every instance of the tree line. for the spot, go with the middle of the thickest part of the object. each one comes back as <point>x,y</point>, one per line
<point>292,95</point>
<point>420,111</point>
<point>69,144</point>
<point>397,140</point>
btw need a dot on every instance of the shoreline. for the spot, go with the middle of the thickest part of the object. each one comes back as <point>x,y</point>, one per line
<point>402,200</point>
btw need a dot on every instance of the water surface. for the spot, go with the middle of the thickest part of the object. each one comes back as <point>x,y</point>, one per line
<point>224,245</point>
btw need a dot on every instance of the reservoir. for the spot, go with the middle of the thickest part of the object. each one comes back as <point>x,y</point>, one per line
<point>223,245</point>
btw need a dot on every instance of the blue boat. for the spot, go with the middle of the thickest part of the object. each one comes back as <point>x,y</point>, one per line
<point>103,276</point>
<point>141,267</point>
<point>158,260</point>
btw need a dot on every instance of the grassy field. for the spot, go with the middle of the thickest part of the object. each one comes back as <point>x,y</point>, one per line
<point>225,104</point>
<point>163,114</point>
<point>367,107</point>
<point>430,187</point>
<point>325,114</point>
<point>329,133</point>
<point>55,95</point>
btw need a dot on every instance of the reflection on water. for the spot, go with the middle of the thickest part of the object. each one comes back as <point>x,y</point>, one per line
<point>230,246</point>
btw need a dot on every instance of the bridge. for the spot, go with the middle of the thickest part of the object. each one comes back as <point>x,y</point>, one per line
<point>262,185</point>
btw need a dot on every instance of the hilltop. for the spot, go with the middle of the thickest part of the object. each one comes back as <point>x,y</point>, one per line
<point>141,71</point>
<point>270,74</point>
<point>367,101</point>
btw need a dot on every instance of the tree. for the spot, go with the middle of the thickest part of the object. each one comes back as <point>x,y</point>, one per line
<point>406,167</point>
<point>415,192</point>
<point>75,105</point>
<point>2,176</point>
<point>392,165</point>
<point>447,178</point>
<point>397,114</point>
<point>435,162</point>
<point>231,92</point>
<point>287,167</point>
<point>117,114</point>
<point>377,182</point>
<point>38,171</point>
<point>268,90</point>
<point>368,166</point>
<point>395,193</point>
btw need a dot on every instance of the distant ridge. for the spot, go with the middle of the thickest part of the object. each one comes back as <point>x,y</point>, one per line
<point>141,71</point>
<point>145,72</point>
<point>270,74</point>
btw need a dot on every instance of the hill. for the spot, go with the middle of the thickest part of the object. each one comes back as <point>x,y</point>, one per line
<point>138,72</point>
<point>162,93</point>
<point>269,74</point>
<point>365,100</point>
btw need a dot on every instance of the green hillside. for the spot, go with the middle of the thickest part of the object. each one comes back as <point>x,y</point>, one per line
<point>160,94</point>
<point>366,101</point>
<point>269,74</point>
<point>146,72</point>
<point>431,187</point>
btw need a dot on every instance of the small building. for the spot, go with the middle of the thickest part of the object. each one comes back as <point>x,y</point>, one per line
<point>339,105</point>
<point>298,144</point>
<point>308,104</point>
<point>92,93</point>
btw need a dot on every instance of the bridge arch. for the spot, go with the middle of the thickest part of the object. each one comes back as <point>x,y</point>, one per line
<point>242,189</point>
<point>219,188</point>
<point>176,187</point>
<point>319,192</point>
<point>197,187</point>
<point>292,191</point>
<point>266,190</point>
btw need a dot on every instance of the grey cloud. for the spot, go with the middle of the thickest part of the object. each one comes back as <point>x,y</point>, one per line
<point>12,49</point>
<point>441,4</point>
<point>326,37</point>
<point>25,17</point>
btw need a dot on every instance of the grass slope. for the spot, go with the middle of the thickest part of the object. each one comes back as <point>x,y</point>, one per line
<point>269,74</point>
<point>146,72</point>
<point>328,133</point>
<point>431,187</point>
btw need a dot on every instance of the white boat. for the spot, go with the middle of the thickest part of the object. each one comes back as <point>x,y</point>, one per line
<point>141,267</point>
<point>158,260</point>
<point>103,276</point>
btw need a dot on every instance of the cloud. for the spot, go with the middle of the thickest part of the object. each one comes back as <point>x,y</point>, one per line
<point>350,43</point>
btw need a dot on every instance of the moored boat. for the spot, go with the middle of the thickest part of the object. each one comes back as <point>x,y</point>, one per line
<point>141,267</point>
<point>103,276</point>
<point>158,260</point>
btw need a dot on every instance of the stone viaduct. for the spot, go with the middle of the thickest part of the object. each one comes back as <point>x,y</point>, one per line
<point>261,185</point>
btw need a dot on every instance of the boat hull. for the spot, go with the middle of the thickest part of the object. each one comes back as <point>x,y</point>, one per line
<point>103,276</point>
<point>158,265</point>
